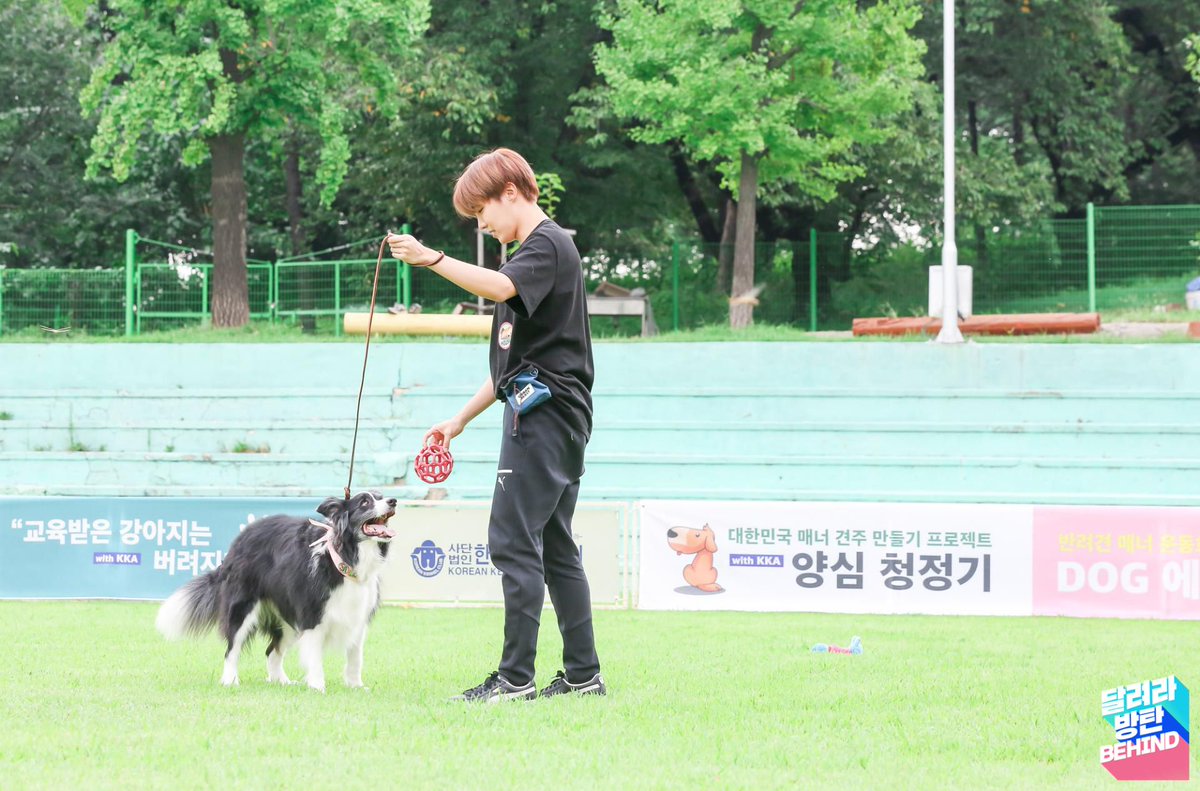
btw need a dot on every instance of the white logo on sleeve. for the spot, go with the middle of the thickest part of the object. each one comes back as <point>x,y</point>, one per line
<point>504,337</point>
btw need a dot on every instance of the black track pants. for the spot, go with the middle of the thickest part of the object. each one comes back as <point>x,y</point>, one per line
<point>537,484</point>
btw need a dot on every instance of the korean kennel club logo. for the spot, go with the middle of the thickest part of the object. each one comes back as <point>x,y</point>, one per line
<point>462,559</point>
<point>428,559</point>
<point>1151,721</point>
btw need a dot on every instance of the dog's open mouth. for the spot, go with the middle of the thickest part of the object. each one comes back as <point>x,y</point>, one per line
<point>377,527</point>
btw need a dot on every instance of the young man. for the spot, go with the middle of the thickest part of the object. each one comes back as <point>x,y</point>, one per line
<point>540,333</point>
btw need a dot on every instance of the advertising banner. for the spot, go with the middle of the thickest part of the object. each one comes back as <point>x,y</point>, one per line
<point>120,547</point>
<point>442,554</point>
<point>835,557</point>
<point>1117,562</point>
<point>145,548</point>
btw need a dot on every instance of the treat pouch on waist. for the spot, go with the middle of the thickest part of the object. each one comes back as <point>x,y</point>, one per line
<point>525,392</point>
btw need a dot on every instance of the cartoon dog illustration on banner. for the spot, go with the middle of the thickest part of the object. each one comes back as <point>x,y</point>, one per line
<point>700,574</point>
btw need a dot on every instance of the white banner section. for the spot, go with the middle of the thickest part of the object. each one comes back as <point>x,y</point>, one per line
<point>940,559</point>
<point>441,553</point>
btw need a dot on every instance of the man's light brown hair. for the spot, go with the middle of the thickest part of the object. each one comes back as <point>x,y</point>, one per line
<point>487,176</point>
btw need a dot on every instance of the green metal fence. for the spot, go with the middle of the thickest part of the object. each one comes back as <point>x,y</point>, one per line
<point>1145,255</point>
<point>1117,259</point>
<point>169,295</point>
<point>700,282</point>
<point>1040,268</point>
<point>1135,258</point>
<point>92,300</point>
<point>324,291</point>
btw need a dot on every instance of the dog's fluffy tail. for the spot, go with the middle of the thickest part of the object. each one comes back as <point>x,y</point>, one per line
<point>190,611</point>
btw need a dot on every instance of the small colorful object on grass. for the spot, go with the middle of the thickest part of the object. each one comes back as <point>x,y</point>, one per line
<point>855,647</point>
<point>434,463</point>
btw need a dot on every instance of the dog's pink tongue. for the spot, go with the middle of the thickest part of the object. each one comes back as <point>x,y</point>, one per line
<point>385,532</point>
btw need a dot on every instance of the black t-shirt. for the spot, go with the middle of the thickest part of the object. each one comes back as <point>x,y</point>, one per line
<point>545,326</point>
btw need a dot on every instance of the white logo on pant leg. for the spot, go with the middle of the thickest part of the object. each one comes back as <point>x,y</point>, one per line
<point>500,478</point>
<point>504,336</point>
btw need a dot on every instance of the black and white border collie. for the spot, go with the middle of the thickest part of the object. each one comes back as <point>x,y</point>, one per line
<point>297,580</point>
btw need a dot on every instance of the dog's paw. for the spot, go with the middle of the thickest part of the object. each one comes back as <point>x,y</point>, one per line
<point>229,681</point>
<point>318,686</point>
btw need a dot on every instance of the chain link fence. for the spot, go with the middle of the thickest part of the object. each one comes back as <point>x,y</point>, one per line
<point>91,300</point>
<point>1145,255</point>
<point>1118,259</point>
<point>1121,260</point>
<point>168,296</point>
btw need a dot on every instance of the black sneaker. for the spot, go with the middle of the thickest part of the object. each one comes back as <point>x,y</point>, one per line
<point>560,686</point>
<point>496,688</point>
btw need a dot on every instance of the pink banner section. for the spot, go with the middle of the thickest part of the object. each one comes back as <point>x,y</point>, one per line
<point>1117,562</point>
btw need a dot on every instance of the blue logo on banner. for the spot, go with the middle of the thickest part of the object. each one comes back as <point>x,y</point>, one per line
<point>756,561</point>
<point>428,559</point>
<point>116,559</point>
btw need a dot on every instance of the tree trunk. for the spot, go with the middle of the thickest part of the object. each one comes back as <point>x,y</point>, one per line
<point>725,250</point>
<point>1018,147</point>
<point>691,193</point>
<point>980,236</point>
<point>741,313</point>
<point>295,212</point>
<point>801,282</point>
<point>230,294</point>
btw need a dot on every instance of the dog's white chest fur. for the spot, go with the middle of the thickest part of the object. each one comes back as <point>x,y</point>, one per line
<point>350,605</point>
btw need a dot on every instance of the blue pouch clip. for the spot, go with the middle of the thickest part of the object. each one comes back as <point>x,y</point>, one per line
<point>526,392</point>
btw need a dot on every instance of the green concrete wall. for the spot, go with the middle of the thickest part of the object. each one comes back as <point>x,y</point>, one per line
<point>1063,423</point>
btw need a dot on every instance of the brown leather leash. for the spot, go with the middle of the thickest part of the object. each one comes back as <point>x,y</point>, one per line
<point>366,352</point>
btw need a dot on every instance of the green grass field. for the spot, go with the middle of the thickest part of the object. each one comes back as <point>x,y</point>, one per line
<point>92,697</point>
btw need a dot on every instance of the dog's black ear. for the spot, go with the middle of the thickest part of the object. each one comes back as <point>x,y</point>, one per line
<point>331,508</point>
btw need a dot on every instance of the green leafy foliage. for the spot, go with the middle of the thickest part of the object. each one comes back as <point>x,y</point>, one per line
<point>201,69</point>
<point>797,85</point>
<point>550,189</point>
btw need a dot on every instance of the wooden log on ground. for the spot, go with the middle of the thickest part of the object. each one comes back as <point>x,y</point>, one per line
<point>1000,324</point>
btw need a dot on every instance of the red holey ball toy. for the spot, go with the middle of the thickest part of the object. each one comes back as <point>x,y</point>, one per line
<point>434,463</point>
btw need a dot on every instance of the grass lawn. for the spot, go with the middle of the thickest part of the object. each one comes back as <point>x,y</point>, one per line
<point>92,697</point>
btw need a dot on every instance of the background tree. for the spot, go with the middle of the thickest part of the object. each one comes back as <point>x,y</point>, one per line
<point>1162,115</point>
<point>1105,82</point>
<point>217,74</point>
<point>506,73</point>
<point>48,214</point>
<point>771,91</point>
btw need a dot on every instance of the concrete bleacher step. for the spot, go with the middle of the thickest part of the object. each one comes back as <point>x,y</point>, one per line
<point>913,438</point>
<point>312,436</point>
<point>53,469</point>
<point>658,475</point>
<point>836,405</point>
<point>382,435</point>
<point>329,489</point>
<point>980,423</point>
<point>122,406</point>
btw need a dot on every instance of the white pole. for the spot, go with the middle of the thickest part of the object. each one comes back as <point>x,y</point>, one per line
<point>949,332</point>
